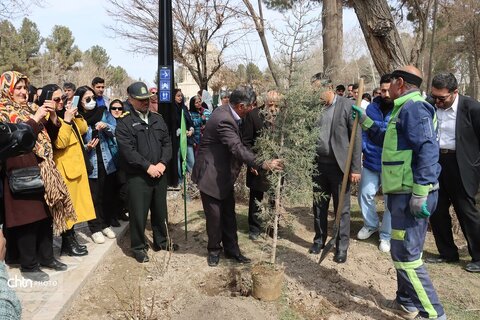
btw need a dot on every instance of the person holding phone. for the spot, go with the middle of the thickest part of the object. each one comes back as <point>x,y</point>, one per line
<point>102,152</point>
<point>28,218</point>
<point>70,157</point>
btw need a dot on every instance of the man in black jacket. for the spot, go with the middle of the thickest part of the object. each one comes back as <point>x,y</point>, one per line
<point>459,138</point>
<point>145,149</point>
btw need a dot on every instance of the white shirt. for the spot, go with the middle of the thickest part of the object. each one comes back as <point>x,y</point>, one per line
<point>142,116</point>
<point>446,125</point>
<point>364,104</point>
<point>234,113</point>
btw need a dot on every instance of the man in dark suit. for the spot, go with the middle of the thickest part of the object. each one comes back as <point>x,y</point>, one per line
<point>220,156</point>
<point>459,137</point>
<point>257,180</point>
<point>336,125</point>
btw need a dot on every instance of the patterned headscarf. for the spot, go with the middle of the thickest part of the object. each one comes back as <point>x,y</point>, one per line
<point>56,195</point>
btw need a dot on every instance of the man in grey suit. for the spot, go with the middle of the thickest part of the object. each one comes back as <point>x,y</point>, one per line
<point>219,159</point>
<point>336,125</point>
<point>459,139</point>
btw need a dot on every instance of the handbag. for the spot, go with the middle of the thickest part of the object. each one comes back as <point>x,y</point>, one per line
<point>26,181</point>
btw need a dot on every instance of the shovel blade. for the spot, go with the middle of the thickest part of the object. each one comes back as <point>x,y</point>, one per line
<point>327,249</point>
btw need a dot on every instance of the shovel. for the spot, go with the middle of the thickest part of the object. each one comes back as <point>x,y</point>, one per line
<point>346,172</point>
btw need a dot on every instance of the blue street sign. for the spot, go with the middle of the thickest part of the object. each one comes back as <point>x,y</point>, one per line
<point>164,85</point>
<point>165,96</point>
<point>165,73</point>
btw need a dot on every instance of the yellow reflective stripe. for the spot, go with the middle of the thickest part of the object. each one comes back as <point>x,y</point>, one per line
<point>421,293</point>
<point>398,234</point>
<point>408,265</point>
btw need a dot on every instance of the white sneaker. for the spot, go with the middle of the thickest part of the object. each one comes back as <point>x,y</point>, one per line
<point>384,246</point>
<point>98,237</point>
<point>107,232</point>
<point>365,233</point>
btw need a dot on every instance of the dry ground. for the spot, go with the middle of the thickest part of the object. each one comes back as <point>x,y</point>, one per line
<point>182,286</point>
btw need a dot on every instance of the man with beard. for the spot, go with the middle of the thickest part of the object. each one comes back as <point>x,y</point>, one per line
<point>379,111</point>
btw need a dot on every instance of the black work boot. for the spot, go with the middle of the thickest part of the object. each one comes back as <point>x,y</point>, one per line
<point>69,248</point>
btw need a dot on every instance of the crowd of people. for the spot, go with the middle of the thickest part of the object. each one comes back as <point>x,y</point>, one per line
<point>97,159</point>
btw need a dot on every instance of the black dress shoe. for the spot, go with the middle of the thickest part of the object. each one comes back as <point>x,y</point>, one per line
<point>55,265</point>
<point>123,216</point>
<point>340,256</point>
<point>35,275</point>
<point>316,248</point>
<point>240,258</point>
<point>473,267</point>
<point>141,256</point>
<point>441,259</point>
<point>173,247</point>
<point>213,260</point>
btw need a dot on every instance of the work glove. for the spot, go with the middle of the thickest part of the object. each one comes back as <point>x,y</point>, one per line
<point>418,206</point>
<point>361,115</point>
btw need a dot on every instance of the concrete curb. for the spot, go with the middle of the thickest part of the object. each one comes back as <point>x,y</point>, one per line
<point>50,300</point>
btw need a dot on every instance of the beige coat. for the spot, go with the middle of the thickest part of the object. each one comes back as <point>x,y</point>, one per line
<point>68,157</point>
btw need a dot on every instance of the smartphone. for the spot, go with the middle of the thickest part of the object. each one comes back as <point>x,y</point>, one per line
<point>49,95</point>
<point>94,134</point>
<point>75,101</point>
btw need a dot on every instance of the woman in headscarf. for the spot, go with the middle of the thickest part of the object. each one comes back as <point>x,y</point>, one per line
<point>71,160</point>
<point>200,114</point>
<point>117,108</point>
<point>28,217</point>
<point>180,106</point>
<point>102,152</point>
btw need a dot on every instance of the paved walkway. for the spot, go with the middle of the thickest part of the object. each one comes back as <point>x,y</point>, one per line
<point>49,300</point>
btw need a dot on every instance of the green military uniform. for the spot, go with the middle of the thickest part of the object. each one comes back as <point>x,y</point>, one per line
<point>141,144</point>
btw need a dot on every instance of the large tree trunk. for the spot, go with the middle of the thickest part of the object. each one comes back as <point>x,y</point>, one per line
<point>332,36</point>
<point>260,26</point>
<point>380,34</point>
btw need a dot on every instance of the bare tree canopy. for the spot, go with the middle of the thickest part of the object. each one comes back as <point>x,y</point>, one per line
<point>10,9</point>
<point>203,30</point>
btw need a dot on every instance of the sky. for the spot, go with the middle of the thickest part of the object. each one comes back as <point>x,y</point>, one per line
<point>87,19</point>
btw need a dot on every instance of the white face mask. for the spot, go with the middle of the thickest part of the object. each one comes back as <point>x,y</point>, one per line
<point>90,105</point>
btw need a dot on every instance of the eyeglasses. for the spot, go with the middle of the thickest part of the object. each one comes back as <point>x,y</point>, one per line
<point>440,98</point>
<point>87,100</point>
<point>116,108</point>
<point>57,99</point>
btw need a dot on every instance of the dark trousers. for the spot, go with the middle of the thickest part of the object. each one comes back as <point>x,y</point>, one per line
<point>415,289</point>
<point>144,194</point>
<point>453,193</point>
<point>329,183</point>
<point>34,242</point>
<point>102,190</point>
<point>254,221</point>
<point>221,224</point>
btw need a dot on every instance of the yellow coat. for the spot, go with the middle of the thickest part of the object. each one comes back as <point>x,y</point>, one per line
<point>68,157</point>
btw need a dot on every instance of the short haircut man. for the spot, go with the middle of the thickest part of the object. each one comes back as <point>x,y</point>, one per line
<point>459,139</point>
<point>218,161</point>
<point>340,90</point>
<point>69,90</point>
<point>336,124</point>
<point>98,85</point>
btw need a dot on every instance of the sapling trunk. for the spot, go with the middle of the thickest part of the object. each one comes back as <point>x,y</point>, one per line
<point>278,196</point>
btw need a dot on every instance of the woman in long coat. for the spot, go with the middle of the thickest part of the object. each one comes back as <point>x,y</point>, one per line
<point>69,156</point>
